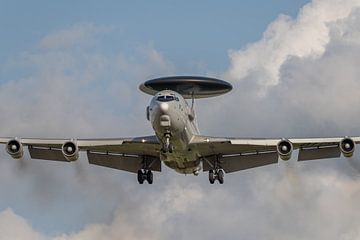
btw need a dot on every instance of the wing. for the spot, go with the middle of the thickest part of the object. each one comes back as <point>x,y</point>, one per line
<point>234,154</point>
<point>129,154</point>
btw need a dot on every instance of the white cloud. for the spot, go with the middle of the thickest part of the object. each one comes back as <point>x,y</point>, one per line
<point>311,92</point>
<point>268,205</point>
<point>309,69</point>
<point>176,199</point>
<point>71,92</point>
<point>76,34</point>
<point>305,37</point>
<point>16,228</point>
<point>152,217</point>
<point>64,81</point>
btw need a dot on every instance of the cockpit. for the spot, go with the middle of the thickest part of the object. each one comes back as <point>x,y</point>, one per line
<point>166,98</point>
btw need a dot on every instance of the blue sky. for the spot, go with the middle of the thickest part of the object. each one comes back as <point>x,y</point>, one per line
<point>72,69</point>
<point>187,33</point>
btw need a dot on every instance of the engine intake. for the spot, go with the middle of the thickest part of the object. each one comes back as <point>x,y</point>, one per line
<point>285,149</point>
<point>70,150</point>
<point>347,147</point>
<point>15,149</point>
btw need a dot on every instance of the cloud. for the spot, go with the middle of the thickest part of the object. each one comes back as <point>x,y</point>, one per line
<point>14,227</point>
<point>310,95</point>
<point>77,34</point>
<point>67,92</point>
<point>63,81</point>
<point>321,198</point>
<point>176,200</point>
<point>306,36</point>
<point>287,85</point>
<point>308,68</point>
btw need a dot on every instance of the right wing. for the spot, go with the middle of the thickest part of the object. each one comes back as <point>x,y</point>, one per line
<point>235,154</point>
<point>128,154</point>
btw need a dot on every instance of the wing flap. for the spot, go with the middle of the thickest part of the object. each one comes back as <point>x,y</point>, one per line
<point>148,145</point>
<point>207,146</point>
<point>233,163</point>
<point>47,154</point>
<point>130,163</point>
<point>306,154</point>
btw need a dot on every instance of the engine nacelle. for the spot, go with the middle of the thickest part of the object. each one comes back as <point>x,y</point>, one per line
<point>347,147</point>
<point>285,149</point>
<point>15,149</point>
<point>70,150</point>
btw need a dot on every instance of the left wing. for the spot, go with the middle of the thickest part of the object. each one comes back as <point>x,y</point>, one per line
<point>129,154</point>
<point>234,154</point>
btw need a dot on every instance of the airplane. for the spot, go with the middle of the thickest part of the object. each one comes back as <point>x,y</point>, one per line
<point>177,141</point>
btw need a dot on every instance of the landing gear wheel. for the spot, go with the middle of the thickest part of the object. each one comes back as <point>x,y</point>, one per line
<point>211,177</point>
<point>149,177</point>
<point>167,147</point>
<point>216,174</point>
<point>140,177</point>
<point>220,176</point>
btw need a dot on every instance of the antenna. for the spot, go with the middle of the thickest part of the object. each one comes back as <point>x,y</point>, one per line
<point>190,87</point>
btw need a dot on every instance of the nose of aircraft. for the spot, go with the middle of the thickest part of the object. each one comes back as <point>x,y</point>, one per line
<point>164,107</point>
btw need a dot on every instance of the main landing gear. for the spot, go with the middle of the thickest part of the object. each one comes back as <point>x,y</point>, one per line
<point>216,174</point>
<point>167,146</point>
<point>143,175</point>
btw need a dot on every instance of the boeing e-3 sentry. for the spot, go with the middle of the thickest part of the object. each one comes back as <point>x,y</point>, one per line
<point>177,141</point>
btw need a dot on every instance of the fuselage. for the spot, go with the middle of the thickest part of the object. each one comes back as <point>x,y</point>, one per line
<point>171,117</point>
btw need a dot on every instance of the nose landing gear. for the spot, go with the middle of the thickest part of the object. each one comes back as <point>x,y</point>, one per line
<point>167,146</point>
<point>216,174</point>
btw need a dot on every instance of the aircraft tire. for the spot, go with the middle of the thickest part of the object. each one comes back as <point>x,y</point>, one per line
<point>211,177</point>
<point>140,177</point>
<point>149,177</point>
<point>166,148</point>
<point>220,176</point>
<point>170,148</point>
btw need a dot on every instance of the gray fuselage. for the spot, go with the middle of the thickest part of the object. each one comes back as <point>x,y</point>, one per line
<point>171,116</point>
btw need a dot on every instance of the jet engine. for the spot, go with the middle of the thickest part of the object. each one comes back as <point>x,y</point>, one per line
<point>15,149</point>
<point>70,150</point>
<point>285,149</point>
<point>347,147</point>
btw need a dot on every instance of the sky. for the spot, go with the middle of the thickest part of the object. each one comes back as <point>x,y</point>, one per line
<point>72,69</point>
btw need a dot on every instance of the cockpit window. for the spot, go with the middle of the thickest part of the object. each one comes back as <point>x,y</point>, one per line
<point>165,98</point>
